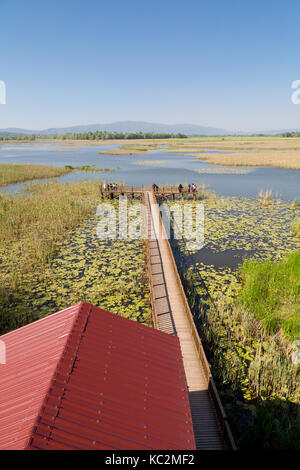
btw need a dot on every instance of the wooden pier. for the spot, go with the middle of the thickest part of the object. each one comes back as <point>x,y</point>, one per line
<point>138,191</point>
<point>172,314</point>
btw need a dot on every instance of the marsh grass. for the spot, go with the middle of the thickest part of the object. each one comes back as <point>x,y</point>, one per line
<point>239,144</point>
<point>271,292</point>
<point>251,359</point>
<point>136,147</point>
<point>89,168</point>
<point>281,159</point>
<point>265,197</point>
<point>222,171</point>
<point>31,224</point>
<point>51,257</point>
<point>15,173</point>
<point>149,162</point>
<point>258,381</point>
<point>295,204</point>
<point>296,226</point>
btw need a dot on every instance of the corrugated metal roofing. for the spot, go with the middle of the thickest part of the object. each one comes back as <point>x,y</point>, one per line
<point>84,378</point>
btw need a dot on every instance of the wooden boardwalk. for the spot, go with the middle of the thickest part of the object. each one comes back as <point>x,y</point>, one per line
<point>138,191</point>
<point>172,315</point>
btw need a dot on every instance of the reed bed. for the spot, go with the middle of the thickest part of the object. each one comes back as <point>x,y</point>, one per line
<point>248,318</point>
<point>259,383</point>
<point>51,257</point>
<point>123,151</point>
<point>222,171</point>
<point>271,292</point>
<point>31,225</point>
<point>239,144</point>
<point>280,159</point>
<point>149,162</point>
<point>265,197</point>
<point>296,227</point>
<point>15,173</point>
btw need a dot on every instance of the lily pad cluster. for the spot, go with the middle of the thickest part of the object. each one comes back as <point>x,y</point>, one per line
<point>109,273</point>
<point>254,372</point>
<point>235,229</point>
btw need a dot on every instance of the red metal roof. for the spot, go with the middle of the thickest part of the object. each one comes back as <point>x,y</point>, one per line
<point>84,378</point>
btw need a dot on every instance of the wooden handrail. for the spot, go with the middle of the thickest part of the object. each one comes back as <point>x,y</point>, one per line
<point>223,420</point>
<point>152,299</point>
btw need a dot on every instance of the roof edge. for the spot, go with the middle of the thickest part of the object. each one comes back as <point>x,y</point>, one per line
<point>44,318</point>
<point>81,306</point>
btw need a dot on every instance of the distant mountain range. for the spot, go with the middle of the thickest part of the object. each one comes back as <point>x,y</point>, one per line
<point>141,126</point>
<point>126,126</point>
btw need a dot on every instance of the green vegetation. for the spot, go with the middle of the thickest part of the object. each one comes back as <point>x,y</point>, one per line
<point>271,292</point>
<point>98,135</point>
<point>257,380</point>
<point>89,168</point>
<point>281,159</point>
<point>15,173</point>
<point>222,171</point>
<point>135,147</point>
<point>290,134</point>
<point>296,226</point>
<point>235,229</point>
<point>235,302</point>
<point>149,162</point>
<point>52,258</point>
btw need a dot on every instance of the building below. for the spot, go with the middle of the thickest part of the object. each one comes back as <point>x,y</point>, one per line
<point>85,378</point>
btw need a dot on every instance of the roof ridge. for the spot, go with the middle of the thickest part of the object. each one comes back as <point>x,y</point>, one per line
<point>34,322</point>
<point>66,359</point>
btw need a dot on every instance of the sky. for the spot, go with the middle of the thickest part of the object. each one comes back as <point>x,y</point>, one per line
<point>227,64</point>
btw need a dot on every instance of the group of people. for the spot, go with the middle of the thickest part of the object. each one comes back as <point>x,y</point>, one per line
<point>191,188</point>
<point>110,186</point>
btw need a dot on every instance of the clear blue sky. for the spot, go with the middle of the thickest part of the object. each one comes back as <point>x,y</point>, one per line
<point>227,64</point>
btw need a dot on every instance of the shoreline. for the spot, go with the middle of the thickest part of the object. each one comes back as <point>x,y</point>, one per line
<point>284,155</point>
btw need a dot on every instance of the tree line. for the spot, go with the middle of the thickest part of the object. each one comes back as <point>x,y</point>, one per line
<point>97,135</point>
<point>290,134</point>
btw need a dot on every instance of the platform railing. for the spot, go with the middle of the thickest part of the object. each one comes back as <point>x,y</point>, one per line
<point>222,417</point>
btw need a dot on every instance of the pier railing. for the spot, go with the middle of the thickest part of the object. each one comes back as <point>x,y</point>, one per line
<point>222,417</point>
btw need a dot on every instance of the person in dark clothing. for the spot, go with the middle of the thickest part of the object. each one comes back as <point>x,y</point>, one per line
<point>180,188</point>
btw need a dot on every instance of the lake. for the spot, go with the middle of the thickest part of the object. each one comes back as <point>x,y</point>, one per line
<point>176,168</point>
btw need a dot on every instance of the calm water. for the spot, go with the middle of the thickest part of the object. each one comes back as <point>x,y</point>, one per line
<point>175,169</point>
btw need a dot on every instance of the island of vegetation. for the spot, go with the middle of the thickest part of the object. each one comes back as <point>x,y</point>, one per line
<point>277,151</point>
<point>15,173</point>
